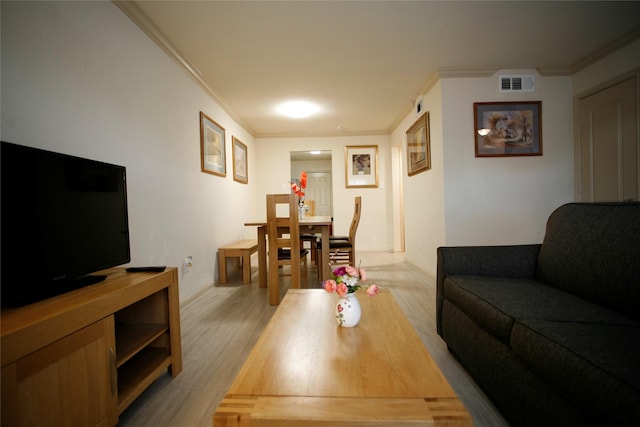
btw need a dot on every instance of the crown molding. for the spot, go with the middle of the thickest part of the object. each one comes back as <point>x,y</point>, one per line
<point>133,11</point>
<point>606,50</point>
<point>550,72</point>
<point>451,72</point>
<point>432,80</point>
<point>430,83</point>
<point>137,16</point>
<point>321,134</point>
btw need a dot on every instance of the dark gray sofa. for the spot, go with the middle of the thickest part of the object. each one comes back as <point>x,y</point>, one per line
<point>551,331</point>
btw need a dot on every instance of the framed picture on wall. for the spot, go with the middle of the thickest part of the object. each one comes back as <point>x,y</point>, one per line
<point>212,149</point>
<point>503,129</point>
<point>240,171</point>
<point>361,166</point>
<point>419,146</point>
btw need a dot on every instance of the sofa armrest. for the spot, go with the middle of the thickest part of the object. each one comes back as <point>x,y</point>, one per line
<point>516,261</point>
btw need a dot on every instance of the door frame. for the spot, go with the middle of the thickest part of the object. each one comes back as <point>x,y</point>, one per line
<point>576,122</point>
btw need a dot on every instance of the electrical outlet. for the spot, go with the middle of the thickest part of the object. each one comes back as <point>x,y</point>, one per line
<point>188,263</point>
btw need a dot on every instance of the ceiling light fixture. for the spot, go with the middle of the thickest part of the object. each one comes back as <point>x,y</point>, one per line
<point>315,152</point>
<point>298,109</point>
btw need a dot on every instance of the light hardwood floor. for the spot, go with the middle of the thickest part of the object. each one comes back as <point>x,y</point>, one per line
<point>220,327</point>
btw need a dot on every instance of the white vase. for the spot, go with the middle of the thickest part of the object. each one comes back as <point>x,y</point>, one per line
<point>302,210</point>
<point>348,311</point>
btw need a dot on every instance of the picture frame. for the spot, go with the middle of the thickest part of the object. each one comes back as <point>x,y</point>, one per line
<point>361,166</point>
<point>419,146</point>
<point>506,129</point>
<point>212,147</point>
<point>240,165</point>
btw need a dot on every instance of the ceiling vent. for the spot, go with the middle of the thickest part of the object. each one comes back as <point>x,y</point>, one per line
<point>516,84</point>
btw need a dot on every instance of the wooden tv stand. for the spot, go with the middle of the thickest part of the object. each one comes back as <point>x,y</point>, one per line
<point>83,357</point>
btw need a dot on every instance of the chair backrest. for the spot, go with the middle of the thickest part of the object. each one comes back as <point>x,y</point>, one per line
<point>356,220</point>
<point>279,226</point>
<point>283,232</point>
<point>311,205</point>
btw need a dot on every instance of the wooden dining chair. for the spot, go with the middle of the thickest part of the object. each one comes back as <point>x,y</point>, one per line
<point>283,243</point>
<point>310,237</point>
<point>313,241</point>
<point>343,250</point>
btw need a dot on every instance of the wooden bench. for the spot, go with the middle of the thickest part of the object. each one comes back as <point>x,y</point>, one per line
<point>241,249</point>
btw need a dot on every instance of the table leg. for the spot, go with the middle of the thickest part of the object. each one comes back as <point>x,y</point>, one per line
<point>262,256</point>
<point>222,267</point>
<point>325,268</point>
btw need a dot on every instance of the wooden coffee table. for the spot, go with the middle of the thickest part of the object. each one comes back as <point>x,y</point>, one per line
<point>306,371</point>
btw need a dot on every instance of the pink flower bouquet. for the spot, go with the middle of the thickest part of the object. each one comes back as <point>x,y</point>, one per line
<point>346,280</point>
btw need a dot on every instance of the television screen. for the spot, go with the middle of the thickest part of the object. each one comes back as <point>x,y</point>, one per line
<point>63,217</point>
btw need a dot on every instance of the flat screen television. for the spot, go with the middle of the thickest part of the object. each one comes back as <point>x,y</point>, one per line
<point>63,218</point>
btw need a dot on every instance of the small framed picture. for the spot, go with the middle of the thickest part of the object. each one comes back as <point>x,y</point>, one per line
<point>212,146</point>
<point>419,146</point>
<point>503,129</point>
<point>361,166</point>
<point>240,171</point>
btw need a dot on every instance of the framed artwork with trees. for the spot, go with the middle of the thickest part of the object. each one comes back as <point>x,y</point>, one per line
<point>503,129</point>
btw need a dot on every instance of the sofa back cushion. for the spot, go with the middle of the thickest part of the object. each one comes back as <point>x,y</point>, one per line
<point>593,250</point>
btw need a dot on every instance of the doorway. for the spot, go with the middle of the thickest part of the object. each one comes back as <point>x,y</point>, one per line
<point>319,189</point>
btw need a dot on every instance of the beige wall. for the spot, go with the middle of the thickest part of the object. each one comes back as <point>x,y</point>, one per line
<point>375,231</point>
<point>505,200</point>
<point>464,200</point>
<point>81,78</point>
<point>423,194</point>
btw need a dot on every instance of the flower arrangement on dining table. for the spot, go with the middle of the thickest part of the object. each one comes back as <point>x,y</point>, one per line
<point>347,280</point>
<point>299,185</point>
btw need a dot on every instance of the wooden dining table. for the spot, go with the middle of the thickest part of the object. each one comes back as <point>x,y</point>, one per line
<point>307,225</point>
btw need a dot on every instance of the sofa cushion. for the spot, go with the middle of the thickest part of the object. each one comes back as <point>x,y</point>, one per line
<point>593,365</point>
<point>592,250</point>
<point>522,397</point>
<point>495,303</point>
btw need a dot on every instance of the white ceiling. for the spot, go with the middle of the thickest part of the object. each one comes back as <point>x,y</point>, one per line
<point>366,62</point>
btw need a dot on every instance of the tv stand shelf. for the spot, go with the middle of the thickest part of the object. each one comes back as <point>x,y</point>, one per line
<point>130,339</point>
<point>134,378</point>
<point>100,347</point>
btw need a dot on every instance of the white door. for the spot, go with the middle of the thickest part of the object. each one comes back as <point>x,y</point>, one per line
<point>608,150</point>
<point>319,190</point>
